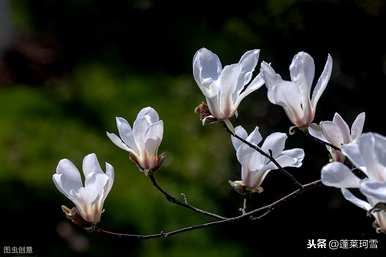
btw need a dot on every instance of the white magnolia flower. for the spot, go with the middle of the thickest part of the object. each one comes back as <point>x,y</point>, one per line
<point>224,88</point>
<point>367,153</point>
<point>88,197</point>
<point>143,140</point>
<point>255,166</point>
<point>337,133</point>
<point>295,95</point>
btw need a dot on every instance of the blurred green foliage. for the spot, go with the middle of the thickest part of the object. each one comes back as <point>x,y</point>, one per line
<point>68,119</point>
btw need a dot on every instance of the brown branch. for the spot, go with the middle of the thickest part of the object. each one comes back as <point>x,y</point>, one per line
<point>326,143</point>
<point>268,155</point>
<point>184,203</point>
<point>251,215</point>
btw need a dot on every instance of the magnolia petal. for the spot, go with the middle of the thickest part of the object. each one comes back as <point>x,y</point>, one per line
<point>98,182</point>
<point>256,162</point>
<point>353,153</point>
<point>302,71</point>
<point>155,131</point>
<point>90,167</point>
<point>88,195</point>
<point>206,64</point>
<point>260,177</point>
<point>109,184</point>
<point>125,132</point>
<point>288,158</point>
<point>248,63</point>
<point>153,139</point>
<point>67,178</point>
<point>256,83</point>
<point>275,84</point>
<point>255,137</point>
<point>332,133</point>
<point>380,151</point>
<point>355,200</point>
<point>249,60</point>
<point>291,158</point>
<point>244,154</point>
<point>338,175</point>
<point>118,142</point>
<point>149,113</point>
<point>228,83</point>
<point>375,190</point>
<point>322,82</point>
<point>357,126</point>
<point>214,106</point>
<point>269,75</point>
<point>90,198</point>
<point>206,69</point>
<point>152,146</point>
<point>316,131</point>
<point>247,155</point>
<point>140,129</point>
<point>241,132</point>
<point>287,95</point>
<point>366,145</point>
<point>248,177</point>
<point>283,93</point>
<point>56,178</point>
<point>344,128</point>
<point>274,142</point>
<point>251,178</point>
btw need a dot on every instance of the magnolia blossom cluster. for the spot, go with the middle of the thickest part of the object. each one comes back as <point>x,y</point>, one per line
<point>141,142</point>
<point>368,154</point>
<point>224,88</point>
<point>254,166</point>
<point>88,197</point>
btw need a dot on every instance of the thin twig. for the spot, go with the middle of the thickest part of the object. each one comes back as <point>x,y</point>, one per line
<point>251,214</point>
<point>324,142</point>
<point>104,231</point>
<point>184,203</point>
<point>268,155</point>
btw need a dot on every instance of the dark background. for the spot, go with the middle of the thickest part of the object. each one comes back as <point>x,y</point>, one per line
<point>67,68</point>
